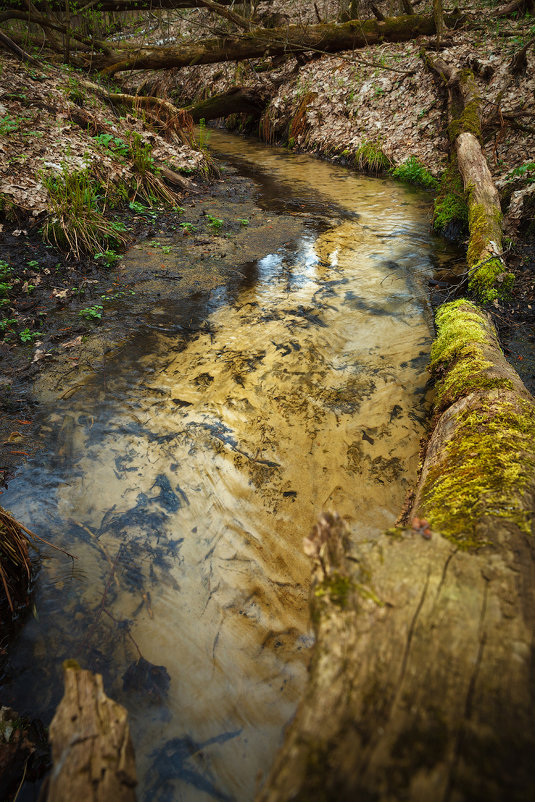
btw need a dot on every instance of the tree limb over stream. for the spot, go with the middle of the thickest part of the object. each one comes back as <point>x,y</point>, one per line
<point>329,38</point>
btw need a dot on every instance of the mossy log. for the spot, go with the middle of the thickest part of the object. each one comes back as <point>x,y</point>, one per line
<point>488,277</point>
<point>92,751</point>
<point>325,37</point>
<point>421,685</point>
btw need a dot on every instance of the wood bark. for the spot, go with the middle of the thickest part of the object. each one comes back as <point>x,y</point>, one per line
<point>110,5</point>
<point>92,751</point>
<point>421,685</point>
<point>465,110</point>
<point>236,101</point>
<point>328,38</point>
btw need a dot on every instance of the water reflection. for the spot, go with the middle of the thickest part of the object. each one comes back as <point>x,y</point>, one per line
<point>187,474</point>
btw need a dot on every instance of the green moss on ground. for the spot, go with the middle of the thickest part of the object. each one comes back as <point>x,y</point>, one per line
<point>486,467</point>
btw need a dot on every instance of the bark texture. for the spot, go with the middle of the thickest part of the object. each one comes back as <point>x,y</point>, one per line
<point>236,101</point>
<point>328,38</point>
<point>91,748</point>
<point>421,685</point>
<point>488,275</point>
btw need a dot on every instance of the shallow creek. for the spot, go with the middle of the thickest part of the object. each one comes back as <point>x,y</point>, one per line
<point>185,475</point>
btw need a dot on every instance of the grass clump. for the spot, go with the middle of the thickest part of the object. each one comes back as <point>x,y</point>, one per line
<point>76,220</point>
<point>370,157</point>
<point>412,171</point>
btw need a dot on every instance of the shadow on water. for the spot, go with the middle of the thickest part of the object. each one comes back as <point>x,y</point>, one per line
<point>185,474</point>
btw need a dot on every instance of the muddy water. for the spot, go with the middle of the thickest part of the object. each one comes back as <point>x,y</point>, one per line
<point>185,475</point>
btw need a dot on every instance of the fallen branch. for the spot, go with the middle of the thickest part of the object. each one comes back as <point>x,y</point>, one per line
<point>489,278</point>
<point>328,38</point>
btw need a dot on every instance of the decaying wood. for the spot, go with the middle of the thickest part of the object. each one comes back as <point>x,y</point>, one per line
<point>465,110</point>
<point>109,5</point>
<point>92,751</point>
<point>237,100</point>
<point>514,7</point>
<point>421,684</point>
<point>328,38</point>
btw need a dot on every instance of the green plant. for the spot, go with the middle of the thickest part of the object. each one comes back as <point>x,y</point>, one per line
<point>411,171</point>
<point>5,268</point>
<point>203,136</point>
<point>4,287</point>
<point>214,222</point>
<point>76,221</point>
<point>188,227</point>
<point>92,312</point>
<point>243,221</point>
<point>26,336</point>
<point>113,143</point>
<point>369,156</point>
<point>6,322</point>
<point>33,264</point>
<point>8,125</point>
<point>526,170</point>
<point>140,208</point>
<point>109,257</point>
<point>140,153</point>
<point>166,249</point>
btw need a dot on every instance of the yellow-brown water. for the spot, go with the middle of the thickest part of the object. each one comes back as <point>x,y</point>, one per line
<point>188,472</point>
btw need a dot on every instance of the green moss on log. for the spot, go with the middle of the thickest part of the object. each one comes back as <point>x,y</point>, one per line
<point>451,210</point>
<point>337,587</point>
<point>484,471</point>
<point>489,279</point>
<point>489,463</point>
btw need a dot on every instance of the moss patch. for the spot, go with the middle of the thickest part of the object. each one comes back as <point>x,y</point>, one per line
<point>484,471</point>
<point>457,359</point>
<point>489,280</point>
<point>337,587</point>
<point>485,468</point>
<point>450,214</point>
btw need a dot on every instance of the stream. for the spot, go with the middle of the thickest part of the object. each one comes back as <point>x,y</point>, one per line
<point>186,473</point>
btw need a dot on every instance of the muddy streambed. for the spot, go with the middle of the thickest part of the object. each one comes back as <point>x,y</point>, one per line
<point>185,473</point>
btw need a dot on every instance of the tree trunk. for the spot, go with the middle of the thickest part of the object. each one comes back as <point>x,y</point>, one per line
<point>327,38</point>
<point>488,278</point>
<point>110,5</point>
<point>91,748</point>
<point>421,685</point>
<point>236,101</point>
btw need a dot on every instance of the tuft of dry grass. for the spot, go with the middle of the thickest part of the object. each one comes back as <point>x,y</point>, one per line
<point>15,562</point>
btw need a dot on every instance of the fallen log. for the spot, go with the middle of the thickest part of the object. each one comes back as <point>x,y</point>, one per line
<point>60,6</point>
<point>236,101</point>
<point>421,686</point>
<point>328,38</point>
<point>92,751</point>
<point>488,276</point>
